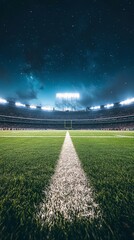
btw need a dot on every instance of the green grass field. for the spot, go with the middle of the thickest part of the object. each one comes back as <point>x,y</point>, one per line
<point>109,164</point>
<point>27,162</point>
<point>26,165</point>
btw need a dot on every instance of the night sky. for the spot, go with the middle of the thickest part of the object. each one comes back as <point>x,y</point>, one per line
<point>50,46</point>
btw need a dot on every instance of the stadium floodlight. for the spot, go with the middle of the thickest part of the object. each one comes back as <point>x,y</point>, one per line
<point>109,105</point>
<point>2,100</point>
<point>68,95</point>
<point>32,106</point>
<point>47,108</point>
<point>95,108</point>
<point>127,102</point>
<point>18,104</point>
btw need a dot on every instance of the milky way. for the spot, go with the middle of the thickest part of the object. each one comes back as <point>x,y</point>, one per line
<point>67,46</point>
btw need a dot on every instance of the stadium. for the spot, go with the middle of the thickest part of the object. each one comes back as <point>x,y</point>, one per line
<point>66,120</point>
<point>118,116</point>
<point>65,172</point>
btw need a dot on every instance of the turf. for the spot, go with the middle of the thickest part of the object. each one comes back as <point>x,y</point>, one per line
<point>32,133</point>
<point>101,133</point>
<point>109,165</point>
<point>26,166</point>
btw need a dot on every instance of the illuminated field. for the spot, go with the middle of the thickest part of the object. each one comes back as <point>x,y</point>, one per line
<point>96,133</point>
<point>31,133</point>
<point>27,162</point>
<point>108,163</point>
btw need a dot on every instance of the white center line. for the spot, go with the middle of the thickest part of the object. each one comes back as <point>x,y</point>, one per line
<point>69,193</point>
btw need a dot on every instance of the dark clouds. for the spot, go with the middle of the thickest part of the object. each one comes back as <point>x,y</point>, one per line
<point>51,46</point>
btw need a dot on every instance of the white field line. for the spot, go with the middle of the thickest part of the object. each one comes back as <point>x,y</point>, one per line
<point>117,136</point>
<point>60,136</point>
<point>32,136</point>
<point>69,194</point>
<point>125,136</point>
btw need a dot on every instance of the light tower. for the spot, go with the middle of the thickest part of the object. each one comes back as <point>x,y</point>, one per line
<point>67,101</point>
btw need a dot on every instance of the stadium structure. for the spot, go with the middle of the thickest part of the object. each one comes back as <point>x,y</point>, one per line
<point>117,116</point>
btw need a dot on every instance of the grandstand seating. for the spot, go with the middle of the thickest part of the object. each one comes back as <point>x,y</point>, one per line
<point>118,117</point>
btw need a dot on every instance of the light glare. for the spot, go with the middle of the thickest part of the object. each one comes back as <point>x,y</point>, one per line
<point>128,101</point>
<point>109,105</point>
<point>95,108</point>
<point>47,108</point>
<point>32,106</point>
<point>68,95</point>
<point>2,100</point>
<point>18,104</point>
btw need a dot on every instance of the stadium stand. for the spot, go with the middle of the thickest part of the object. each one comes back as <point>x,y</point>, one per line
<point>117,117</point>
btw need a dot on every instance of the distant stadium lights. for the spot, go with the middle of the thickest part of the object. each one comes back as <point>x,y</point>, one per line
<point>18,104</point>
<point>109,105</point>
<point>32,106</point>
<point>128,101</point>
<point>68,95</point>
<point>47,108</point>
<point>2,100</point>
<point>95,108</point>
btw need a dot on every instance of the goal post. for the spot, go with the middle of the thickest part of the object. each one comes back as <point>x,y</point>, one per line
<point>68,124</point>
